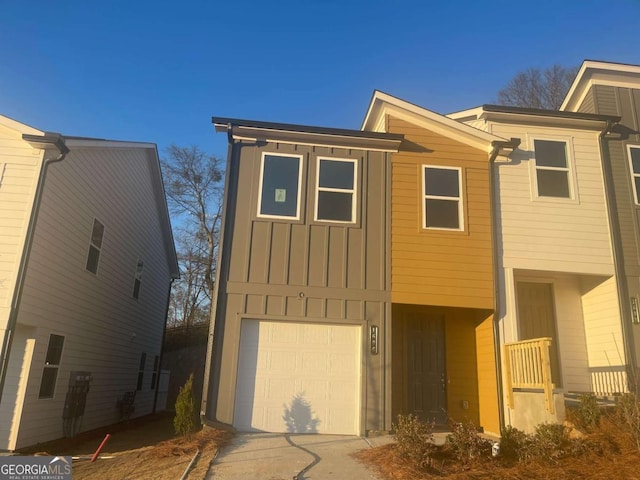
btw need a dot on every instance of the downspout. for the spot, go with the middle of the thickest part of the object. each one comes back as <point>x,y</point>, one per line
<point>616,247</point>
<point>212,340</point>
<point>498,147</point>
<point>37,142</point>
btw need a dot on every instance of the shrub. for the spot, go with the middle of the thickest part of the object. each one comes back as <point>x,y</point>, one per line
<point>628,414</point>
<point>466,444</point>
<point>552,442</point>
<point>587,414</point>
<point>515,444</point>
<point>414,440</point>
<point>184,422</point>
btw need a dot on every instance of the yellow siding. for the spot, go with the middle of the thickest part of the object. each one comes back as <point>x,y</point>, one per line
<point>487,379</point>
<point>435,267</point>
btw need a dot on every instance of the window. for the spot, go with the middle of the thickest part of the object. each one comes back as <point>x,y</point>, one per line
<point>143,360</point>
<point>552,168</point>
<point>335,190</point>
<point>441,188</point>
<point>280,179</point>
<point>154,376</point>
<point>137,281</point>
<point>51,365</point>
<point>94,246</point>
<point>634,164</point>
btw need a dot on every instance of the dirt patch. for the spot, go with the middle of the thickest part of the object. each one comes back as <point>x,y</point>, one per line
<point>143,448</point>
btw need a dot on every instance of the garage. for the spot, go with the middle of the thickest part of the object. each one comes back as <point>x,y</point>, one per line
<point>298,378</point>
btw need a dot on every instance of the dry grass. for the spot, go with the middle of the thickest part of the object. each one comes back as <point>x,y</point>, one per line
<point>611,454</point>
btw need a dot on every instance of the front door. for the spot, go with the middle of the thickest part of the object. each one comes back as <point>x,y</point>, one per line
<point>427,398</point>
<point>536,319</point>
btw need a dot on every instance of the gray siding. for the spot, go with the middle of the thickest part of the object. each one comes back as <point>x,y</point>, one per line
<point>588,104</point>
<point>105,328</point>
<point>305,270</point>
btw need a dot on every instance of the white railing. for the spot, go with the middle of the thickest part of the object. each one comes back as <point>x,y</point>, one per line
<point>527,364</point>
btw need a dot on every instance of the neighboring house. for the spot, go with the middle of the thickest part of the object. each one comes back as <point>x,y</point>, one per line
<point>556,270</point>
<point>86,263</point>
<point>442,263</point>
<point>301,331</point>
<point>614,89</point>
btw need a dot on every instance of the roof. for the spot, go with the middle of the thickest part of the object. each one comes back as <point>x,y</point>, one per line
<point>305,134</point>
<point>382,104</point>
<point>534,115</point>
<point>596,72</point>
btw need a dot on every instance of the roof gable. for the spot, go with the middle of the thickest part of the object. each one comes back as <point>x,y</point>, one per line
<point>18,127</point>
<point>383,104</point>
<point>599,73</point>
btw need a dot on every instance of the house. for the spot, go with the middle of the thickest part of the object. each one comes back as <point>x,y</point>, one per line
<point>302,307</point>
<point>86,263</point>
<point>556,271</point>
<point>614,89</point>
<point>444,353</point>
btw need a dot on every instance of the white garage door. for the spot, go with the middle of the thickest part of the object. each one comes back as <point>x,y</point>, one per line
<point>298,378</point>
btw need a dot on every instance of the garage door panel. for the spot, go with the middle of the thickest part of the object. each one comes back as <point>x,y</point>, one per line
<point>298,377</point>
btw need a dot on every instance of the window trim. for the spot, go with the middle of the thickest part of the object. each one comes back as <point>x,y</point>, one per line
<point>51,366</point>
<point>96,247</point>
<point>299,195</point>
<point>460,198</point>
<point>353,191</point>
<point>142,365</point>
<point>570,169</point>
<point>636,200</point>
<point>137,279</point>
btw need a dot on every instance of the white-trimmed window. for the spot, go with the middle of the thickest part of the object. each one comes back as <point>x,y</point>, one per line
<point>280,185</point>
<point>552,168</point>
<point>51,366</point>
<point>336,190</point>
<point>95,245</point>
<point>137,279</point>
<point>634,165</point>
<point>442,198</point>
<point>143,361</point>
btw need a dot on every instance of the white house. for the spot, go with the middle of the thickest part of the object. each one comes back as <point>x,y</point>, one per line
<point>86,263</point>
<point>556,270</point>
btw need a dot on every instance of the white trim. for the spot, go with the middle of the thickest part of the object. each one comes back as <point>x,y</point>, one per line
<point>353,190</point>
<point>460,199</point>
<point>19,127</point>
<point>634,175</point>
<point>300,166</point>
<point>98,143</point>
<point>570,169</point>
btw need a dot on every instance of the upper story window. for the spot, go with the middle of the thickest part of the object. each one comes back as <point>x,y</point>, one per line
<point>51,365</point>
<point>442,192</point>
<point>95,245</point>
<point>336,190</point>
<point>137,281</point>
<point>634,165</point>
<point>553,176</point>
<point>280,185</point>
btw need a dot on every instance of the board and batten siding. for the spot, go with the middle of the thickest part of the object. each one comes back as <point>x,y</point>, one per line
<point>305,270</point>
<point>561,235</point>
<point>105,328</point>
<point>436,267</point>
<point>19,170</point>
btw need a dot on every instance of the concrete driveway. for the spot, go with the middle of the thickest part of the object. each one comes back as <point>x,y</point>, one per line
<point>272,456</point>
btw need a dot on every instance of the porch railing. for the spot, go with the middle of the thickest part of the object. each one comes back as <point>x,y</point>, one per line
<point>527,364</point>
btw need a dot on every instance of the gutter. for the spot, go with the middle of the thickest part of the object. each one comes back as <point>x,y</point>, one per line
<point>499,146</point>
<point>616,247</point>
<point>47,140</point>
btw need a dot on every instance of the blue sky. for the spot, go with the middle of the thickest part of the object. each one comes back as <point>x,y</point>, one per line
<point>156,71</point>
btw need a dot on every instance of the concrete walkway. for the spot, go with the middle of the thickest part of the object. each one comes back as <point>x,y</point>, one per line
<point>272,456</point>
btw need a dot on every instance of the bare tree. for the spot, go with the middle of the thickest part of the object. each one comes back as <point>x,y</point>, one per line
<point>193,182</point>
<point>535,88</point>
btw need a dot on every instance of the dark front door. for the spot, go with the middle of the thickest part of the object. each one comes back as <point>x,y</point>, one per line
<point>427,397</point>
<point>536,319</point>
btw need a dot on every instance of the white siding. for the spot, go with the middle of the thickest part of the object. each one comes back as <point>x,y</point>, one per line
<point>105,328</point>
<point>546,234</point>
<point>19,170</point>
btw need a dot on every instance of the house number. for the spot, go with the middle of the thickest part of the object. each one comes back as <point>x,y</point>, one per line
<point>374,340</point>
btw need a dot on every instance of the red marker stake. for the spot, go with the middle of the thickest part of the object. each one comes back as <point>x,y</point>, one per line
<point>95,455</point>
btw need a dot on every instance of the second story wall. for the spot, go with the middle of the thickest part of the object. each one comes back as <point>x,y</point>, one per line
<point>306,247</point>
<point>438,261</point>
<point>551,200</point>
